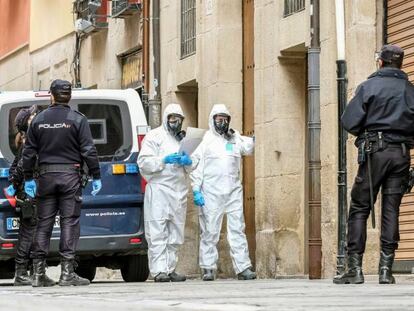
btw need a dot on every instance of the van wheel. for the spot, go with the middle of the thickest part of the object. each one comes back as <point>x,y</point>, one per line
<point>86,270</point>
<point>135,268</point>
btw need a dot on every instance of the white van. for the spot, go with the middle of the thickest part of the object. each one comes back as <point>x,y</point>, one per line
<point>112,230</point>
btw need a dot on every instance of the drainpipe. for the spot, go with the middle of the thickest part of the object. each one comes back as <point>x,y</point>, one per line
<point>145,53</point>
<point>342,82</point>
<point>155,102</point>
<point>314,130</point>
<point>384,22</point>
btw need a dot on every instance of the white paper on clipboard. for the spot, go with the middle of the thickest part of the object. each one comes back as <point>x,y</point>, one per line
<point>192,139</point>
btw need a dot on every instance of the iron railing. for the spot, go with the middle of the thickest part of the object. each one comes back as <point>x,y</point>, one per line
<point>93,11</point>
<point>188,28</point>
<point>293,6</point>
<point>122,8</point>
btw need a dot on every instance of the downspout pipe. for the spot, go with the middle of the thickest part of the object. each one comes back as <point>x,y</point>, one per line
<point>145,54</point>
<point>384,22</point>
<point>156,46</point>
<point>342,82</point>
<point>314,130</point>
<point>155,102</point>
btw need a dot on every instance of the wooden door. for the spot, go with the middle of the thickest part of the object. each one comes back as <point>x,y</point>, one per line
<point>248,123</point>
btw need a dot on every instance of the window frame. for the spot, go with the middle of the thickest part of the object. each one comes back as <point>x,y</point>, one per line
<point>293,6</point>
<point>188,44</point>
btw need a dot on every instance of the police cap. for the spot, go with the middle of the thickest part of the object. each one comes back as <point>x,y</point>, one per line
<point>61,90</point>
<point>22,118</point>
<point>392,54</point>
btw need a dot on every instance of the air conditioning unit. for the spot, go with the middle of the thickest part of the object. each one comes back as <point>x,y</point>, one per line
<point>84,26</point>
<point>125,8</point>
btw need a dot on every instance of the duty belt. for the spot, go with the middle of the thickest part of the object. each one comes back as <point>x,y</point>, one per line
<point>373,142</point>
<point>58,168</point>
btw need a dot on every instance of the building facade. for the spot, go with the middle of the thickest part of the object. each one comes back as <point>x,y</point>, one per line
<point>253,56</point>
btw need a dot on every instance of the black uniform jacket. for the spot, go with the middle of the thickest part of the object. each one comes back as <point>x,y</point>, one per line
<point>16,176</point>
<point>60,135</point>
<point>383,103</point>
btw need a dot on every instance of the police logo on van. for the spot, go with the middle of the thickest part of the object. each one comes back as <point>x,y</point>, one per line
<point>54,126</point>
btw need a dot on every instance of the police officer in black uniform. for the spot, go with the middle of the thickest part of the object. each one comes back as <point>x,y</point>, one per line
<point>25,207</point>
<point>381,115</point>
<point>60,139</point>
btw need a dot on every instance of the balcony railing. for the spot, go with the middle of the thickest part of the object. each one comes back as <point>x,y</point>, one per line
<point>94,11</point>
<point>124,8</point>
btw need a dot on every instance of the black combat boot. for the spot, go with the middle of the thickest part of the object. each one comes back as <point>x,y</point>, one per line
<point>208,275</point>
<point>68,276</point>
<point>247,275</point>
<point>40,279</point>
<point>21,277</point>
<point>385,268</point>
<point>175,277</point>
<point>354,273</point>
<point>162,277</point>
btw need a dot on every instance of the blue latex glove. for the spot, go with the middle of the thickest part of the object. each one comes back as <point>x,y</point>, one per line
<point>185,160</point>
<point>30,188</point>
<point>11,191</point>
<point>96,186</point>
<point>172,158</point>
<point>198,198</point>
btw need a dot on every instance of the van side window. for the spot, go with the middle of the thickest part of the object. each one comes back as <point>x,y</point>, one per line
<point>105,121</point>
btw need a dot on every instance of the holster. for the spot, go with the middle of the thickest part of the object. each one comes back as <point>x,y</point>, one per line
<point>26,206</point>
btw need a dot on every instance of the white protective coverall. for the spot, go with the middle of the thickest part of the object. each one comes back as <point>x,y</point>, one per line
<point>165,200</point>
<point>217,176</point>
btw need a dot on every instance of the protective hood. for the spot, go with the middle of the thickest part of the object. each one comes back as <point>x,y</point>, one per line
<point>219,108</point>
<point>170,109</point>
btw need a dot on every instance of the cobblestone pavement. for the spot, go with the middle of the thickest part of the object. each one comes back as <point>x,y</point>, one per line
<point>284,294</point>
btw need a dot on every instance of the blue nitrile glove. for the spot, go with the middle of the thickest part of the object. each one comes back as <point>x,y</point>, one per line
<point>10,191</point>
<point>172,158</point>
<point>96,186</point>
<point>185,160</point>
<point>30,188</point>
<point>198,198</point>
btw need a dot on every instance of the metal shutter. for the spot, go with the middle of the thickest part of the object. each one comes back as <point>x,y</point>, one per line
<point>400,31</point>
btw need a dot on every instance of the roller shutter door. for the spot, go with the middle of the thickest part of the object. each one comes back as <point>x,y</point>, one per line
<point>400,31</point>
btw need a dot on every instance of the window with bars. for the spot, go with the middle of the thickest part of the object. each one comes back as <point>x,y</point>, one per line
<point>188,28</point>
<point>293,6</point>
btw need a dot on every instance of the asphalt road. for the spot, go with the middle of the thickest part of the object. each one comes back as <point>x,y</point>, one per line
<point>287,294</point>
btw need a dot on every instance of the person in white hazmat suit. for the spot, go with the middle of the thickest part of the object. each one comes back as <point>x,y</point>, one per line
<point>165,200</point>
<point>218,190</point>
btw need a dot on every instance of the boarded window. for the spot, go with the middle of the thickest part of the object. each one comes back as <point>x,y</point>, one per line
<point>132,70</point>
<point>293,6</point>
<point>188,28</point>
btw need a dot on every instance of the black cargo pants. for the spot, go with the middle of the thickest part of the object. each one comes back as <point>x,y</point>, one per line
<point>390,169</point>
<point>27,229</point>
<point>58,192</point>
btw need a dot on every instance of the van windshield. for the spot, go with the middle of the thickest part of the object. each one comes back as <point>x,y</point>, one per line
<point>109,121</point>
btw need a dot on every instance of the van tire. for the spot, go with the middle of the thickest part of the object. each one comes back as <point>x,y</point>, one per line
<point>86,270</point>
<point>135,268</point>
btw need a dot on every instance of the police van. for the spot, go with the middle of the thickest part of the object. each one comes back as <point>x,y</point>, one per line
<point>112,226</point>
